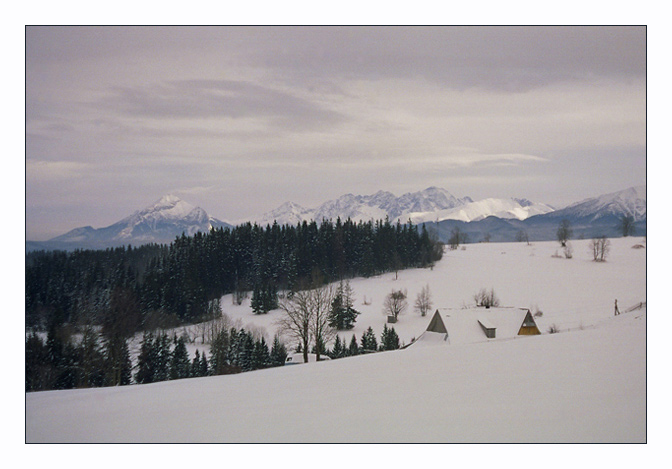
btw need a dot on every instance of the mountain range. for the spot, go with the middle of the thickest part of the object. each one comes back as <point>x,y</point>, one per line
<point>492,219</point>
<point>430,205</point>
<point>160,222</point>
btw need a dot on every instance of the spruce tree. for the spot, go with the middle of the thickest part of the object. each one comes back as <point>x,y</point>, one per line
<point>257,302</point>
<point>353,348</point>
<point>179,363</point>
<point>38,370</point>
<point>246,350</point>
<point>339,349</point>
<point>204,368</point>
<point>162,347</point>
<point>389,340</point>
<point>278,352</point>
<point>219,360</point>
<point>146,366</point>
<point>91,360</point>
<point>342,315</point>
<point>261,357</point>
<point>195,369</point>
<point>369,342</point>
<point>117,361</point>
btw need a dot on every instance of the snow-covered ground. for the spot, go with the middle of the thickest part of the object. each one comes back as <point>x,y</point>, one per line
<point>585,384</point>
<point>571,293</point>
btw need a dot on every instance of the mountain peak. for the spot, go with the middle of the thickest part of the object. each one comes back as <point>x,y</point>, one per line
<point>159,222</point>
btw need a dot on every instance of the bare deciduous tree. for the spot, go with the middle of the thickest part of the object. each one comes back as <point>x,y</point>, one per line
<point>456,237</point>
<point>306,318</point>
<point>423,302</point>
<point>522,236</point>
<point>564,232</point>
<point>600,248</point>
<point>395,303</point>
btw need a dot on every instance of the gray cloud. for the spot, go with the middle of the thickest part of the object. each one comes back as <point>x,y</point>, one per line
<point>508,58</point>
<point>202,99</point>
<point>239,118</point>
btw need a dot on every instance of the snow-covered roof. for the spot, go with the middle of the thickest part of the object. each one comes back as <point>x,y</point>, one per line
<point>297,358</point>
<point>466,326</point>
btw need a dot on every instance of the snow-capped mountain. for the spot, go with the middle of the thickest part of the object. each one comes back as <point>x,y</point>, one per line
<point>288,213</point>
<point>597,216</point>
<point>160,222</point>
<point>519,209</point>
<point>376,206</point>
<point>630,202</point>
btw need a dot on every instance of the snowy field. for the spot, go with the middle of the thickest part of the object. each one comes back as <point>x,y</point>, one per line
<point>571,293</point>
<point>584,384</point>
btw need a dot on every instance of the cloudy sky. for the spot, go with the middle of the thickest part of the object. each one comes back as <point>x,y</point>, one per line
<point>238,120</point>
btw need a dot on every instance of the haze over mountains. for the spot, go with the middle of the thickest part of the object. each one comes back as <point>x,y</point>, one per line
<point>488,219</point>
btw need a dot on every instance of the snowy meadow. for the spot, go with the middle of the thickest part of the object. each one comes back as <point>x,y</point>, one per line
<point>586,383</point>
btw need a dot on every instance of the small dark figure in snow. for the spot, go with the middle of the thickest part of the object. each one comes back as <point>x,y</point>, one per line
<point>616,311</point>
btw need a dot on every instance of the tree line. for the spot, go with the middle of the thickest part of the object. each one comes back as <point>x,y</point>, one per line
<point>164,285</point>
<point>93,361</point>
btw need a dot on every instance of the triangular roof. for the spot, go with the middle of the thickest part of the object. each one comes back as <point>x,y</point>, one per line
<point>436,324</point>
<point>469,325</point>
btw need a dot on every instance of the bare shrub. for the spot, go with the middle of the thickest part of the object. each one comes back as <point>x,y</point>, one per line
<point>423,302</point>
<point>537,311</point>
<point>568,251</point>
<point>486,298</point>
<point>553,329</point>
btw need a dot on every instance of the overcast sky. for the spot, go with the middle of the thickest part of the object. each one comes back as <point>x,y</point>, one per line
<point>238,120</point>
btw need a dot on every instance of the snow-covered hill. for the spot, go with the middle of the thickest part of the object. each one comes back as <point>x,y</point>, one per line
<point>586,383</point>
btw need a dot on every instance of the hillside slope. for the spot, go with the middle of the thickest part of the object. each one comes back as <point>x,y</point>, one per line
<point>581,386</point>
<point>585,384</point>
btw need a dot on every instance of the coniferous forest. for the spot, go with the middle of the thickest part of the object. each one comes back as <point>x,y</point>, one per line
<point>120,291</point>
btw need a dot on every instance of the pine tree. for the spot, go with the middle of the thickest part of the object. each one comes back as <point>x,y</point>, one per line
<point>353,348</point>
<point>339,349</point>
<point>38,370</point>
<point>278,352</point>
<point>117,361</point>
<point>245,350</point>
<point>342,315</point>
<point>369,342</point>
<point>146,365</point>
<point>179,363</point>
<point>204,368</point>
<point>261,357</point>
<point>91,360</point>
<point>162,367</point>
<point>389,340</point>
<point>257,302</point>
<point>195,369</point>
<point>219,353</point>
